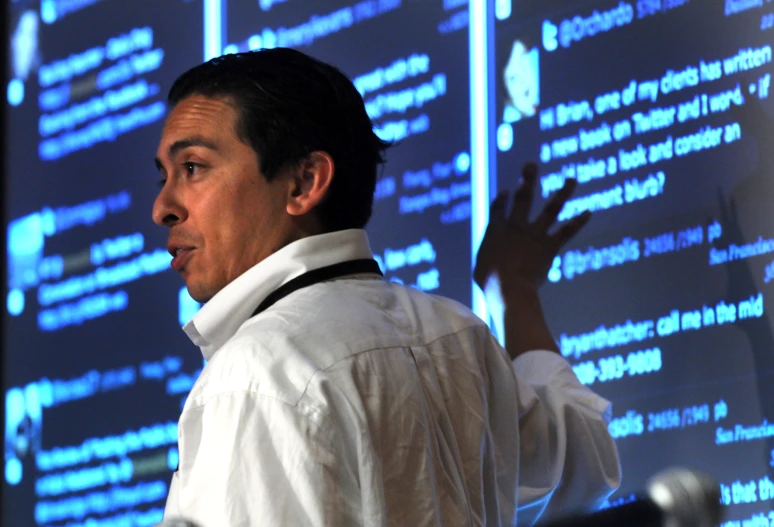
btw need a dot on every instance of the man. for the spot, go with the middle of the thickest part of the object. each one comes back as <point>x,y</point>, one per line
<point>331,396</point>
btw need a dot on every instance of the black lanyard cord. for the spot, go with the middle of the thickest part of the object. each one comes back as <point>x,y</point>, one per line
<point>339,270</point>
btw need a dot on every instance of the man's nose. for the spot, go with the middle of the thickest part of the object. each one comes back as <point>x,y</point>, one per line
<point>168,209</point>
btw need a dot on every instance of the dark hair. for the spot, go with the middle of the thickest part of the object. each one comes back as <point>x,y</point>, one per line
<point>291,105</point>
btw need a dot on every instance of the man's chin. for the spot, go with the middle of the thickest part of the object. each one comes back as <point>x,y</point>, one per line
<point>198,292</point>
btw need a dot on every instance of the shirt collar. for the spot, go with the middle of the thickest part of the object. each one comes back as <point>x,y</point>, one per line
<point>220,318</point>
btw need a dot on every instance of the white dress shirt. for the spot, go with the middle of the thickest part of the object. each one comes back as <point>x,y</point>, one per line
<point>357,401</point>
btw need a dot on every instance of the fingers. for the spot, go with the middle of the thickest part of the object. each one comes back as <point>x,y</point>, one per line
<point>522,198</point>
<point>548,215</point>
<point>568,231</point>
<point>499,206</point>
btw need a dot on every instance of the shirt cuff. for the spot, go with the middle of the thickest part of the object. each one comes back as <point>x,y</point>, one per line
<point>543,367</point>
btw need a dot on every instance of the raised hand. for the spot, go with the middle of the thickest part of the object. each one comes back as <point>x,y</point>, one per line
<point>514,259</point>
<point>516,251</point>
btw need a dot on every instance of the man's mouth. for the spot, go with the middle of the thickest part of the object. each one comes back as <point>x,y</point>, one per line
<point>180,257</point>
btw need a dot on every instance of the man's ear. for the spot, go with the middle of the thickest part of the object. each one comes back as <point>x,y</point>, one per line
<point>310,182</point>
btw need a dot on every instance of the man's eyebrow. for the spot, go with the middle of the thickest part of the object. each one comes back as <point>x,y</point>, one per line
<point>182,144</point>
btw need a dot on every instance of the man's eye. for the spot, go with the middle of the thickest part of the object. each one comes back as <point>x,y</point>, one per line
<point>162,182</point>
<point>191,168</point>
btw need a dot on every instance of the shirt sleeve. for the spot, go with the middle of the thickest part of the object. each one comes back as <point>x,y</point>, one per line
<point>248,459</point>
<point>568,459</point>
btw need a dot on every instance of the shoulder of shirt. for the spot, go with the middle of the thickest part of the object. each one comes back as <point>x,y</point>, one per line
<point>279,352</point>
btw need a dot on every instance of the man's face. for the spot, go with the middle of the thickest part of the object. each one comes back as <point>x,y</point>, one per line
<point>223,216</point>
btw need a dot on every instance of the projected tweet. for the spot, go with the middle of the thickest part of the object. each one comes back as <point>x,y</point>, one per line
<point>116,73</point>
<point>592,132</point>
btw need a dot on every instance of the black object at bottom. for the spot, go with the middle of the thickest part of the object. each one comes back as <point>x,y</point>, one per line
<point>640,513</point>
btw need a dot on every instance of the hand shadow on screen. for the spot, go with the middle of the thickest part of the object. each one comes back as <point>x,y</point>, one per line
<point>753,198</point>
